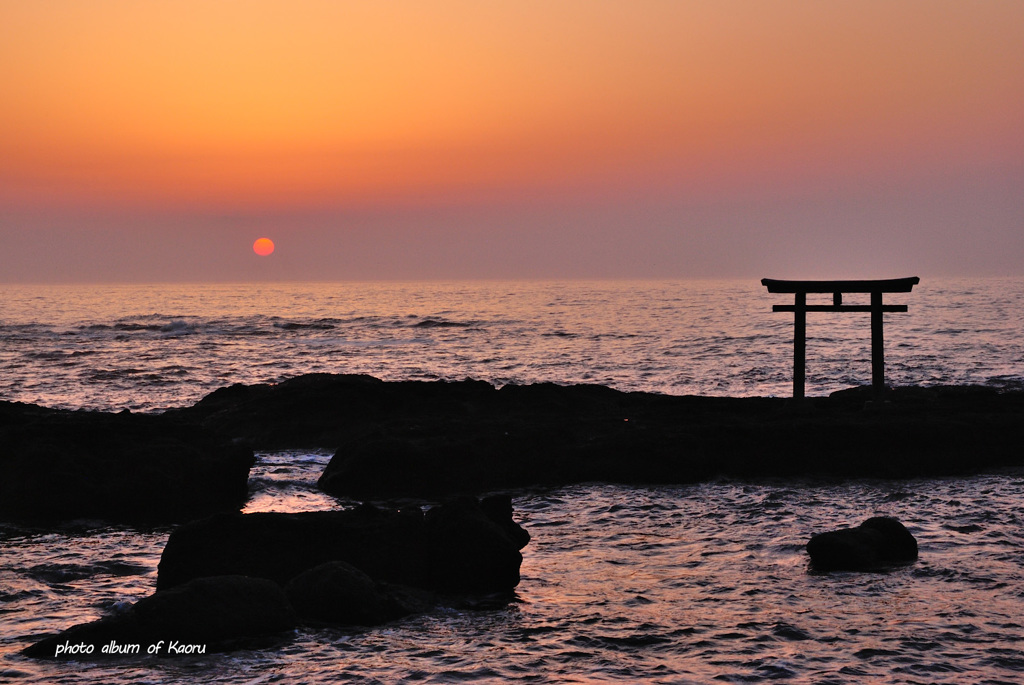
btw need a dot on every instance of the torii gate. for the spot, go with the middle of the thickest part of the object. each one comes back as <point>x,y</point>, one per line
<point>837,288</point>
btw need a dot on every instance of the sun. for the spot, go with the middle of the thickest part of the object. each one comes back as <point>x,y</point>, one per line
<point>263,246</point>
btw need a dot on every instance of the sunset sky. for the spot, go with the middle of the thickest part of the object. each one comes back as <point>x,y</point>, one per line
<point>155,141</point>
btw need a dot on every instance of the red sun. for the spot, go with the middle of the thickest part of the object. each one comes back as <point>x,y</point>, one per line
<point>263,246</point>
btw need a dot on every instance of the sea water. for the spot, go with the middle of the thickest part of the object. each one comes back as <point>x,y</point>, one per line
<point>696,583</point>
<point>147,348</point>
<point>687,584</point>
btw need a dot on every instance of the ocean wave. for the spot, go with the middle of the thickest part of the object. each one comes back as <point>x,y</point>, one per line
<point>680,338</point>
<point>441,323</point>
<point>298,326</point>
<point>588,609</point>
<point>178,327</point>
<point>64,573</point>
<point>58,355</point>
<point>131,327</point>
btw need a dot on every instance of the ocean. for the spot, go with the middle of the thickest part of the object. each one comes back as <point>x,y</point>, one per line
<point>684,584</point>
<point>147,348</point>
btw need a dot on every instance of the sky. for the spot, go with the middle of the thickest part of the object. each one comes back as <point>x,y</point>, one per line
<point>451,139</point>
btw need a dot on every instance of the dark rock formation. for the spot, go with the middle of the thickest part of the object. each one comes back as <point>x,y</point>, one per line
<point>60,465</point>
<point>434,439</point>
<point>319,410</point>
<point>339,593</point>
<point>498,509</point>
<point>201,616</point>
<point>220,578</point>
<point>438,439</point>
<point>879,542</point>
<point>472,551</point>
<point>395,546</point>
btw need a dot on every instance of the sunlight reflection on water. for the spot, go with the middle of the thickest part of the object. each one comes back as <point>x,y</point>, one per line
<point>693,583</point>
<point>684,584</point>
<point>150,347</point>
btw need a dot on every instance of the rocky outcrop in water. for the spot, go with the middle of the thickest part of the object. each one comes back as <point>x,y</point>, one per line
<point>438,439</point>
<point>433,439</point>
<point>228,578</point>
<point>460,546</point>
<point>199,617</point>
<point>62,465</point>
<point>879,542</point>
<point>338,593</point>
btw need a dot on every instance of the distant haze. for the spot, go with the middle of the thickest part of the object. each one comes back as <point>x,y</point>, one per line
<point>462,139</point>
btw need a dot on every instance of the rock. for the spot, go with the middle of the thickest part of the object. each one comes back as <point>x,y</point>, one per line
<point>456,547</point>
<point>388,545</point>
<point>64,465</point>
<point>498,508</point>
<point>440,439</point>
<point>879,542</point>
<point>470,551</point>
<point>198,617</point>
<point>337,592</point>
<point>320,409</point>
<point>410,465</point>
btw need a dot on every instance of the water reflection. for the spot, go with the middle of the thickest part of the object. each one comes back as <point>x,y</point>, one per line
<point>151,347</point>
<point>699,583</point>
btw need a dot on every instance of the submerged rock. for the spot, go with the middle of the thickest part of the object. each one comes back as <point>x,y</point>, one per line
<point>463,546</point>
<point>63,465</point>
<point>198,617</point>
<point>879,542</point>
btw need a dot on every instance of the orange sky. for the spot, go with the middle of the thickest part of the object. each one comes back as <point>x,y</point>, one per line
<point>271,106</point>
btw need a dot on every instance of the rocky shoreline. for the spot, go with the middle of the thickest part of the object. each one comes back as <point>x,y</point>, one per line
<point>228,580</point>
<point>440,439</point>
<point>60,465</point>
